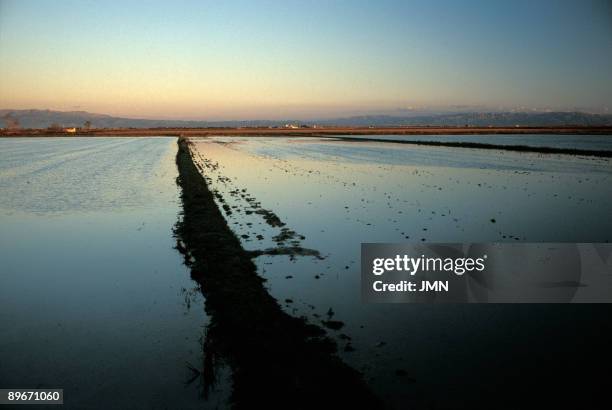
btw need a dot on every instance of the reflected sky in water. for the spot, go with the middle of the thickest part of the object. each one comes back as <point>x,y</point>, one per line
<point>94,299</point>
<point>339,194</point>
<point>585,142</point>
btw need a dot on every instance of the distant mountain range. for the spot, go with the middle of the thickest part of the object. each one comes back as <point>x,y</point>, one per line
<point>49,118</point>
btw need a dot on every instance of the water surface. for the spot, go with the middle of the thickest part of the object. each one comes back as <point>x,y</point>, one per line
<point>336,195</point>
<point>584,142</point>
<point>94,298</point>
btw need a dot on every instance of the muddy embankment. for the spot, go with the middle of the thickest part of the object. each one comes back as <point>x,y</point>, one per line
<point>277,360</point>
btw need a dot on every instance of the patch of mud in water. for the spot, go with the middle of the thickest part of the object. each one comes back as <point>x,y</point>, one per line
<point>265,347</point>
<point>243,209</point>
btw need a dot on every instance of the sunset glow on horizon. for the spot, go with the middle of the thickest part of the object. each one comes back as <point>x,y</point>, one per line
<point>300,59</point>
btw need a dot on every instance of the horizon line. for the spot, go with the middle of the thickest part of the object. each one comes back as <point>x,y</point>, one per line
<point>397,113</point>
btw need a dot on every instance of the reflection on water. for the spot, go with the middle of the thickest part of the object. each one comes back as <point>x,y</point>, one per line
<point>337,194</point>
<point>94,299</point>
<point>584,142</point>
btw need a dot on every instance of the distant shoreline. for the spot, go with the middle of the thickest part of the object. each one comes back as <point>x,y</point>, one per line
<point>318,131</point>
<point>346,134</point>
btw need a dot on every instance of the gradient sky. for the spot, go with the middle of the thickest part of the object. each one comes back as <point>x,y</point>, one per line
<point>303,59</point>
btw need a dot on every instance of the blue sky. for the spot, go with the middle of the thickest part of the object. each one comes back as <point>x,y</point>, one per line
<point>271,59</point>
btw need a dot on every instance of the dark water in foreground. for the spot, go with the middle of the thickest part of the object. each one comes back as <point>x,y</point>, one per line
<point>94,299</point>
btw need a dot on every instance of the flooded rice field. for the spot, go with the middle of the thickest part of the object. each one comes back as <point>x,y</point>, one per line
<point>581,142</point>
<point>94,298</point>
<point>306,204</point>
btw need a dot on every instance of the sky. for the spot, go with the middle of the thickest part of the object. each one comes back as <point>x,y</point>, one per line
<point>304,59</point>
